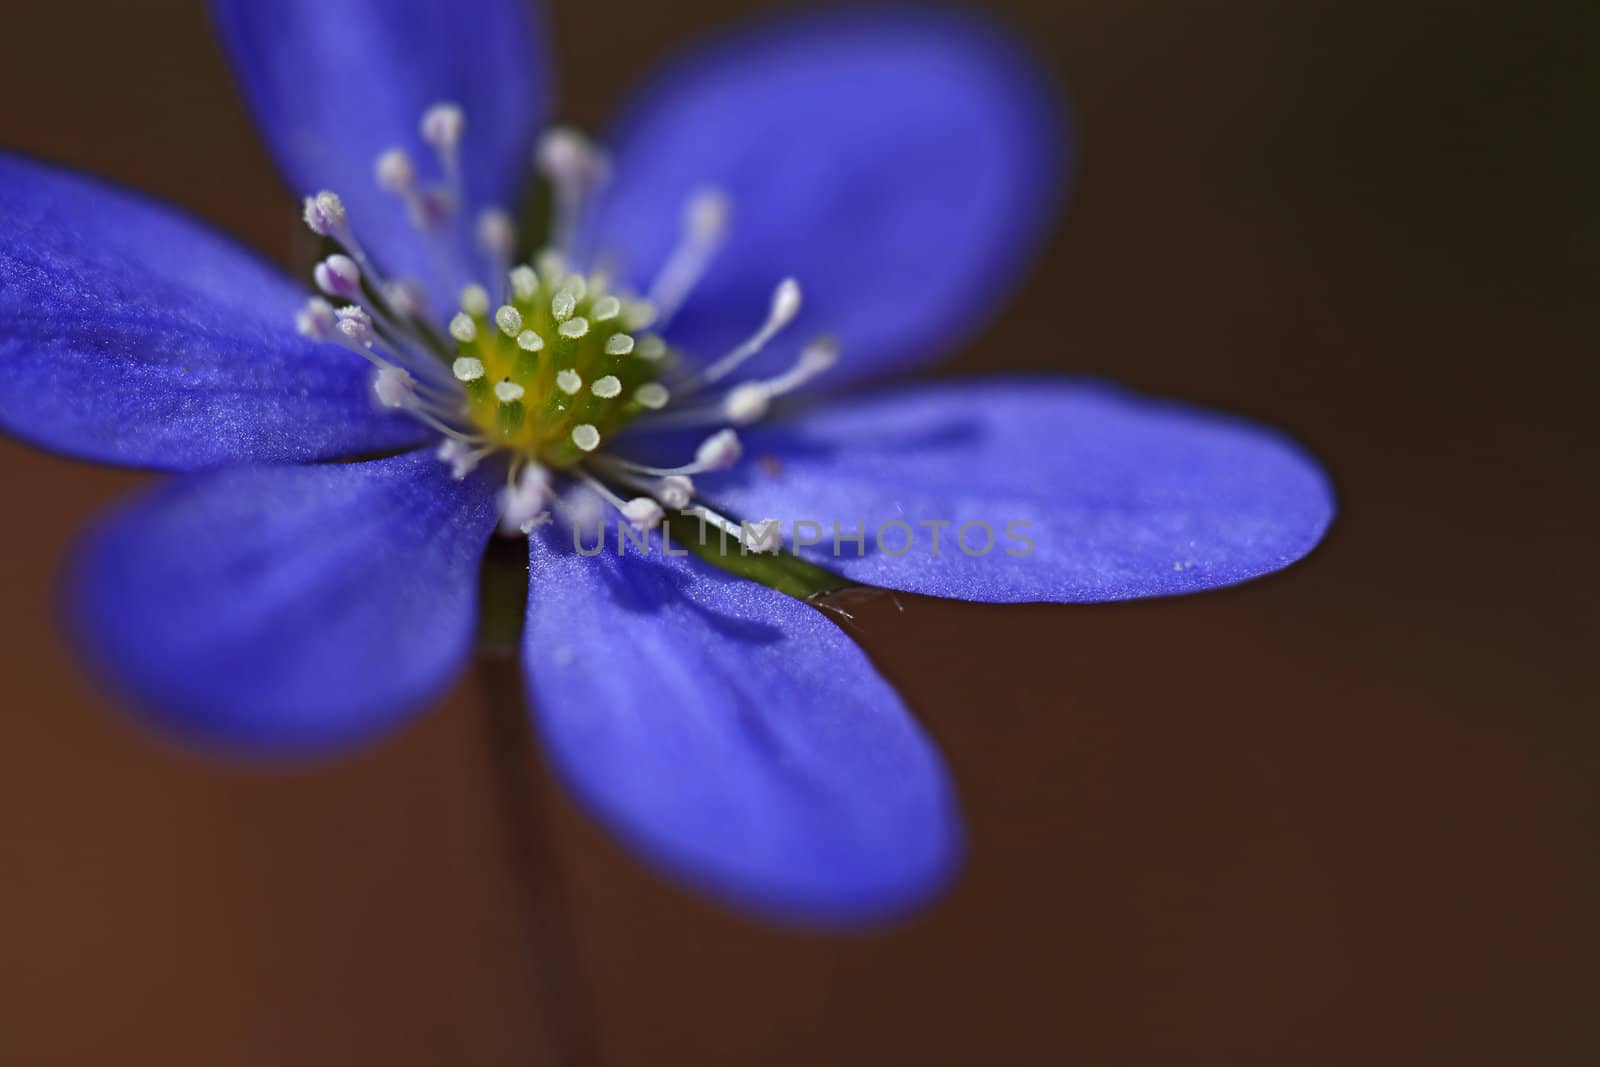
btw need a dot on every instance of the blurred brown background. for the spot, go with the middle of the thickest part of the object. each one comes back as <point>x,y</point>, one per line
<point>1343,815</point>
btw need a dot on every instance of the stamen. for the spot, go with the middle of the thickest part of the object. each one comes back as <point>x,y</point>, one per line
<point>325,215</point>
<point>562,305</point>
<point>529,341</point>
<point>467,369</point>
<point>497,235</point>
<point>461,456</point>
<point>441,127</point>
<point>339,276</point>
<point>395,173</point>
<point>763,536</point>
<point>785,306</point>
<point>576,168</point>
<point>605,309</point>
<point>641,512</point>
<point>569,382</point>
<point>407,299</point>
<point>705,224</point>
<point>508,392</point>
<point>718,452</point>
<point>675,491</point>
<point>749,401</point>
<point>524,500</point>
<point>463,329</point>
<point>619,344</point>
<point>607,387</point>
<point>394,387</point>
<point>316,320</point>
<point>573,329</point>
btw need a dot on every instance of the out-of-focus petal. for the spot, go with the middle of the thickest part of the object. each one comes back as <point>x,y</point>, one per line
<point>130,334</point>
<point>285,610</point>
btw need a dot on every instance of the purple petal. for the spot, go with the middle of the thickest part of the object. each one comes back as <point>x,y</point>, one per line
<point>132,335</point>
<point>334,83</point>
<point>285,610</point>
<point>903,165</point>
<point>735,736</point>
<point>1119,497</point>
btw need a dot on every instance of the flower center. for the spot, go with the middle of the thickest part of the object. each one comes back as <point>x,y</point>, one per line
<point>548,363</point>
<point>559,367</point>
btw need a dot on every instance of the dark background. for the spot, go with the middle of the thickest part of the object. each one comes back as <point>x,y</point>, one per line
<point>1343,815</point>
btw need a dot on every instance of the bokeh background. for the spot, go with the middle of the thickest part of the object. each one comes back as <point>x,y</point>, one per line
<point>1343,815</point>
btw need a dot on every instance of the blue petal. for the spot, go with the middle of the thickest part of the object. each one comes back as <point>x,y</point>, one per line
<point>903,165</point>
<point>334,83</point>
<point>1119,497</point>
<point>129,334</point>
<point>285,610</point>
<point>735,736</point>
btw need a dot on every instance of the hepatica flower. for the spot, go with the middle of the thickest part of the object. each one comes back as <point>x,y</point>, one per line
<point>783,213</point>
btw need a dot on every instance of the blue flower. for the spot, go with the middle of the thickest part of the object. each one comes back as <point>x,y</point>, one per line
<point>789,210</point>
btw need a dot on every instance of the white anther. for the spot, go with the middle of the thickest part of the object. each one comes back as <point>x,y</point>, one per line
<point>524,501</point>
<point>552,266</point>
<point>475,300</point>
<point>395,172</point>
<point>642,513</point>
<point>565,155</point>
<point>461,457</point>
<point>719,451</point>
<point>763,536</point>
<point>315,320</point>
<point>605,309</point>
<point>442,126</point>
<point>785,306</point>
<point>562,305</point>
<point>705,216</point>
<point>619,344</point>
<point>529,341</point>
<point>338,275</point>
<point>324,214</point>
<point>463,329</point>
<point>607,387</point>
<point>650,347</point>
<point>746,403</point>
<point>638,315</point>
<point>508,392</point>
<point>406,298</point>
<point>393,387</point>
<point>497,233</point>
<point>575,168</point>
<point>675,491</point>
<point>573,329</point>
<point>354,322</point>
<point>586,437</point>
<point>509,319</point>
<point>524,282</point>
<point>467,369</point>
<point>569,382</point>
<point>652,395</point>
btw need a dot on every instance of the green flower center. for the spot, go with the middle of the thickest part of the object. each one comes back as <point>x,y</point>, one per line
<point>558,368</point>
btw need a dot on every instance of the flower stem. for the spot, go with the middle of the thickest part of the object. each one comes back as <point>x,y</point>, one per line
<point>551,947</point>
